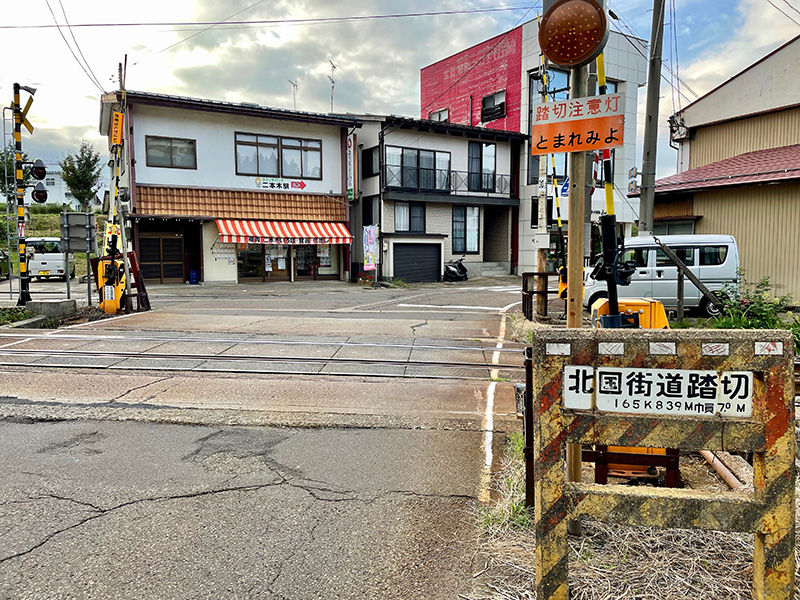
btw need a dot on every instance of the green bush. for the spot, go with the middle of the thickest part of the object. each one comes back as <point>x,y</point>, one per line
<point>12,315</point>
<point>752,306</point>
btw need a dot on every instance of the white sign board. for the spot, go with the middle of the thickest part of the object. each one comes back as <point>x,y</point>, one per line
<point>672,392</point>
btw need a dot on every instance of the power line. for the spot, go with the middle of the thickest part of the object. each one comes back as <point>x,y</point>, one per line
<point>72,33</point>
<point>63,37</point>
<point>792,7</point>
<point>778,8</point>
<point>209,27</point>
<point>283,21</point>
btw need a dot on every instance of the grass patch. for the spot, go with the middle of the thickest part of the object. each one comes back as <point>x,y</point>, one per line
<point>509,484</point>
<point>12,315</point>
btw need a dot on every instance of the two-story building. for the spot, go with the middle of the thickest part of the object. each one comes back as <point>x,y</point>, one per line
<point>497,83</point>
<point>739,168</point>
<point>234,191</point>
<point>437,191</point>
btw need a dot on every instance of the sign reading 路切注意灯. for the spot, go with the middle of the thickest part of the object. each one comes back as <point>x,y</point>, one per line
<point>675,392</point>
<point>577,125</point>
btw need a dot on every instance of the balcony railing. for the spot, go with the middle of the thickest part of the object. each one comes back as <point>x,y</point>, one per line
<point>444,181</point>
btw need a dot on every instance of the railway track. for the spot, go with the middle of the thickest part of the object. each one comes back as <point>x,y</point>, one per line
<point>275,363</point>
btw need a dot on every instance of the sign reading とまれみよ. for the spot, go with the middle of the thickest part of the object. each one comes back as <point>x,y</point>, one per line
<point>578,125</point>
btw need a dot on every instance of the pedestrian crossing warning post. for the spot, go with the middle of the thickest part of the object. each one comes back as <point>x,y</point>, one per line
<point>698,390</point>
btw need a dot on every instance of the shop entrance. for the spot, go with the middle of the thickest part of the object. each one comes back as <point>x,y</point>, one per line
<point>261,262</point>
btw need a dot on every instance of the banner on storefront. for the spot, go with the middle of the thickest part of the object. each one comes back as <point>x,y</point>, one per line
<point>370,247</point>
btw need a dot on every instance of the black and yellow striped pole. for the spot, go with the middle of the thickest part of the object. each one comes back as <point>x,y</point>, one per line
<point>24,276</point>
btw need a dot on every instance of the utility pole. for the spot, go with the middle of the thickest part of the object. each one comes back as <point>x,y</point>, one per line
<point>294,94</point>
<point>579,83</point>
<point>542,232</point>
<point>333,82</point>
<point>24,276</point>
<point>647,198</point>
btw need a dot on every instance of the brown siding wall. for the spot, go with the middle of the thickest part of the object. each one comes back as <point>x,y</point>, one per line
<point>765,220</point>
<point>717,142</point>
<point>682,207</point>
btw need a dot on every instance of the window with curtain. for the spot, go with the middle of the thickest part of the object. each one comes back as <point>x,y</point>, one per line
<point>273,156</point>
<point>417,169</point>
<point>481,161</point>
<point>409,217</point>
<point>466,229</point>
<point>174,153</point>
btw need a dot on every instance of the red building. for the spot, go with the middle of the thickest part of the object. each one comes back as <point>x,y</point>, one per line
<point>487,94</point>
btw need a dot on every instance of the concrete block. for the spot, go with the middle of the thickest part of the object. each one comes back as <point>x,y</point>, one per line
<point>52,308</point>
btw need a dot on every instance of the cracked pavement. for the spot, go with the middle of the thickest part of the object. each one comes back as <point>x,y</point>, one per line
<point>141,510</point>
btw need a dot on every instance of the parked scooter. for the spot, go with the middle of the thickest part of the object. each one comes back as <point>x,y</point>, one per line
<point>455,270</point>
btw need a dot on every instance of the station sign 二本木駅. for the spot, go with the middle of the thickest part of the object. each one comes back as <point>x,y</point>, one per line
<point>578,125</point>
<point>279,184</point>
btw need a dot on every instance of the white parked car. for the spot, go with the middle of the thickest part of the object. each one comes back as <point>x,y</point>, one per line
<point>713,258</point>
<point>46,260</point>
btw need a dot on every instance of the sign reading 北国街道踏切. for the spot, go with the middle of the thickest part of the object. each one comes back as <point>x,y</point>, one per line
<point>578,125</point>
<point>676,392</point>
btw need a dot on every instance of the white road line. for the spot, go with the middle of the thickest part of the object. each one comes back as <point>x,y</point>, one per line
<point>92,322</point>
<point>484,493</point>
<point>496,308</point>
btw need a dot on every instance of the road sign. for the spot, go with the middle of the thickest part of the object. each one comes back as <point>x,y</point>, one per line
<point>578,125</point>
<point>74,232</point>
<point>117,119</point>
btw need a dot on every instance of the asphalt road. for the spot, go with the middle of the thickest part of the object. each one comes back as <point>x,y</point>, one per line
<point>137,477</point>
<point>130,510</point>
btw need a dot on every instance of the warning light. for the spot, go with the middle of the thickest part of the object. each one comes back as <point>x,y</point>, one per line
<point>573,32</point>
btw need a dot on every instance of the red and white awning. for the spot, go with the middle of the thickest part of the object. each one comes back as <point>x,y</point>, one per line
<point>237,231</point>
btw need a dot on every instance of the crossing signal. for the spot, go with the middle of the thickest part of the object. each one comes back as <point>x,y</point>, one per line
<point>39,193</point>
<point>573,32</point>
<point>38,170</point>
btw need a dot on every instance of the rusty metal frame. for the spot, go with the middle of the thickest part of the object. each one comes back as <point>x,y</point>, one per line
<point>768,511</point>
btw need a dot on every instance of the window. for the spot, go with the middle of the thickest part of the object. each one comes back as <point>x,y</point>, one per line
<point>685,254</point>
<point>417,169</point>
<point>175,153</point>
<point>493,107</point>
<point>370,162</point>
<point>712,256</point>
<point>50,181</point>
<point>409,216</point>
<point>272,156</point>
<point>466,229</point>
<point>674,228</point>
<point>638,256</point>
<point>481,163</point>
<point>44,246</point>
<point>439,115</point>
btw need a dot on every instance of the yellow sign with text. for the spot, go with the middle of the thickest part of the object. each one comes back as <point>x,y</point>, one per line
<point>116,128</point>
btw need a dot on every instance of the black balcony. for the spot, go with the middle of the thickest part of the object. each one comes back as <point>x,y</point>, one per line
<point>444,181</point>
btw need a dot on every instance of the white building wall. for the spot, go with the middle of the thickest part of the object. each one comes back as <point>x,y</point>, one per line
<point>219,260</point>
<point>215,147</point>
<point>626,64</point>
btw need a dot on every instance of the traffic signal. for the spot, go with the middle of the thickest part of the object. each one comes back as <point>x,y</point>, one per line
<point>573,32</point>
<point>39,193</point>
<point>39,171</point>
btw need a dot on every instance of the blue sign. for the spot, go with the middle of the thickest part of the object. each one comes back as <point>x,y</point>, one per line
<point>565,188</point>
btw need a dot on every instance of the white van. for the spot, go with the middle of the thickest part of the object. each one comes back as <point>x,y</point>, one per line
<point>45,258</point>
<point>713,258</point>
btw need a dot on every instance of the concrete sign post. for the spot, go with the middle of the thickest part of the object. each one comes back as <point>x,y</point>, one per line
<point>689,390</point>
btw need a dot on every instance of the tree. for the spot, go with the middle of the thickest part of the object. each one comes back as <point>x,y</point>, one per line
<point>81,173</point>
<point>8,166</point>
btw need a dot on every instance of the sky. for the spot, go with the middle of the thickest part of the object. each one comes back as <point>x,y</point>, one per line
<point>378,60</point>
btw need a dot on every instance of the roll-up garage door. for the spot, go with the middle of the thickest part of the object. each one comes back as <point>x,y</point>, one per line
<point>414,263</point>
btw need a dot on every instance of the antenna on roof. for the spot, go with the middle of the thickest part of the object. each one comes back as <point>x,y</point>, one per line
<point>294,93</point>
<point>333,82</point>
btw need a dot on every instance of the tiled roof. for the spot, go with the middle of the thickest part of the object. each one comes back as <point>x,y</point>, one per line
<point>237,204</point>
<point>761,166</point>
